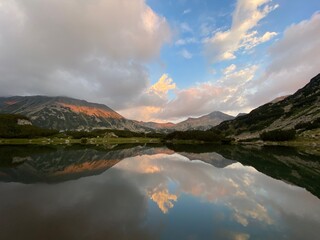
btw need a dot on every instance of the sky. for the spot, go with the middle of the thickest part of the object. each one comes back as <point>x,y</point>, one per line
<point>161,61</point>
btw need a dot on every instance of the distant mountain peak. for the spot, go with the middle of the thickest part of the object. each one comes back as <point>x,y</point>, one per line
<point>219,114</point>
<point>204,122</point>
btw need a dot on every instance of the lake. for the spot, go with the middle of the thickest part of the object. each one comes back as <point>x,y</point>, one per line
<point>158,192</point>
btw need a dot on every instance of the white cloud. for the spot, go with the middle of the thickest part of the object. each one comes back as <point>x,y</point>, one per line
<point>251,40</point>
<point>229,69</point>
<point>186,54</point>
<point>152,101</point>
<point>185,41</point>
<point>226,94</point>
<point>293,62</point>
<point>93,50</point>
<point>223,45</point>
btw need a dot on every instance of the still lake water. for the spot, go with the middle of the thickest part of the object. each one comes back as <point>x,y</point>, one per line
<point>157,192</point>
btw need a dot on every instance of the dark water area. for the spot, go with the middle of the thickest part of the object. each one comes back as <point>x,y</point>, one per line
<point>158,192</point>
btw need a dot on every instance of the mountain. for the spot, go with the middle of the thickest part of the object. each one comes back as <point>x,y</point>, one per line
<point>279,99</point>
<point>204,122</point>
<point>300,111</point>
<point>201,123</point>
<point>18,126</point>
<point>63,113</point>
<point>157,126</point>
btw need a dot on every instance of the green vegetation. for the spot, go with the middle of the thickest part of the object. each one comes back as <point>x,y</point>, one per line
<point>195,135</point>
<point>11,132</point>
<point>9,128</point>
<point>278,135</point>
<point>111,134</point>
<point>68,141</point>
<point>308,125</point>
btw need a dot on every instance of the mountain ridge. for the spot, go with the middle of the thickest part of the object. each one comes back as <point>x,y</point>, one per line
<point>298,111</point>
<point>64,113</point>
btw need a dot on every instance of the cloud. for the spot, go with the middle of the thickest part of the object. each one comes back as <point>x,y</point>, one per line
<point>251,40</point>
<point>229,69</point>
<point>225,94</point>
<point>293,62</point>
<point>163,86</point>
<point>186,54</point>
<point>185,41</point>
<point>224,45</point>
<point>149,103</point>
<point>94,50</point>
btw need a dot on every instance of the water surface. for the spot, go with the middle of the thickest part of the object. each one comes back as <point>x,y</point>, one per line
<point>145,192</point>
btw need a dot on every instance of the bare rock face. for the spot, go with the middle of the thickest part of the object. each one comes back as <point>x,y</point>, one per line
<point>23,122</point>
<point>204,122</point>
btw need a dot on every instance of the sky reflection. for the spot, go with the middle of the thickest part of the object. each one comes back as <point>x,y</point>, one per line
<point>161,196</point>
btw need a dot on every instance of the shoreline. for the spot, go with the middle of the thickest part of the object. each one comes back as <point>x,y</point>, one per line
<point>298,143</point>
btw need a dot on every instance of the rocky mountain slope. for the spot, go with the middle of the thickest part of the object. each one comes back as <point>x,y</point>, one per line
<point>64,113</point>
<point>201,123</point>
<point>300,111</point>
<point>157,126</point>
<point>204,122</point>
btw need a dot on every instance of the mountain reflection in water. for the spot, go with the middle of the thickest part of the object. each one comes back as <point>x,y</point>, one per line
<point>145,192</point>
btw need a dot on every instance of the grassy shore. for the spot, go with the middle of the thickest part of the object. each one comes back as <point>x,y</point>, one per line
<point>56,141</point>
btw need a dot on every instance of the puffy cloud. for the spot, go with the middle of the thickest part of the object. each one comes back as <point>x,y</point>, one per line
<point>149,103</point>
<point>85,49</point>
<point>223,45</point>
<point>164,85</point>
<point>293,62</point>
<point>192,101</point>
<point>227,94</point>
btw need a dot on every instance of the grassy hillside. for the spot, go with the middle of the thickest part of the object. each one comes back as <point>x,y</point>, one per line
<point>18,126</point>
